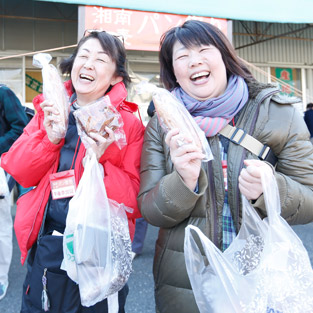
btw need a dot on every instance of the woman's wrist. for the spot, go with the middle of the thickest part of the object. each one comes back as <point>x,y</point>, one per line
<point>191,184</point>
<point>54,140</point>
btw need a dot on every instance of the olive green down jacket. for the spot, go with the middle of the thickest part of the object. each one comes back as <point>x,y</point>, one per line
<point>166,202</point>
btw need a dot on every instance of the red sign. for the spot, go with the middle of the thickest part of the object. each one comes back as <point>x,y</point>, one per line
<point>141,30</point>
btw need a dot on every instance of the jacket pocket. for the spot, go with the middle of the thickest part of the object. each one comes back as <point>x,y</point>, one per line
<point>55,284</point>
<point>46,268</point>
<point>159,255</point>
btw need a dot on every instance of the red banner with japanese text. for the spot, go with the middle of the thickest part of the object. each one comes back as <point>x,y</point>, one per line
<point>141,30</point>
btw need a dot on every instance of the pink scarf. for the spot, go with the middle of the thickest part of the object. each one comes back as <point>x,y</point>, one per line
<point>213,114</point>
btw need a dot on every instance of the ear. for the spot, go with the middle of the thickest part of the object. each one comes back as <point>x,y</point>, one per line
<point>116,80</point>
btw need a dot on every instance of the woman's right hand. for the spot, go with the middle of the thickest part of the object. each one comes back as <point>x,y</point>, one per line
<point>250,183</point>
<point>51,116</point>
<point>186,157</point>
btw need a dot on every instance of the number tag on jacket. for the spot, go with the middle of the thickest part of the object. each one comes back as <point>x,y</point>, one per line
<point>62,184</point>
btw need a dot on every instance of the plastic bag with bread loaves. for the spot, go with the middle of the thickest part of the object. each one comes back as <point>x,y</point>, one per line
<point>173,114</point>
<point>95,117</point>
<point>54,91</point>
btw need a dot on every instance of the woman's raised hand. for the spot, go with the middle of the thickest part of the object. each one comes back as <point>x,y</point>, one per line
<point>250,184</point>
<point>186,157</point>
<point>98,143</point>
<point>51,116</point>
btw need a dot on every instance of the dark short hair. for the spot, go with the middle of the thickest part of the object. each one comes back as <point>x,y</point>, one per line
<point>309,105</point>
<point>111,45</point>
<point>196,33</point>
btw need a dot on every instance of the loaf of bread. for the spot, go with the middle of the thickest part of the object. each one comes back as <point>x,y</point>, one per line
<point>54,91</point>
<point>96,116</point>
<point>172,114</point>
<point>93,119</point>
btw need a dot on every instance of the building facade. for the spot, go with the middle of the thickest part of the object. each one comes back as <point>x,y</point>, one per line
<point>273,51</point>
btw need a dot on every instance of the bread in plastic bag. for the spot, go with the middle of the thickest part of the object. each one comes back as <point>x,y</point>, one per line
<point>265,269</point>
<point>173,114</point>
<point>96,240</point>
<point>98,115</point>
<point>54,91</point>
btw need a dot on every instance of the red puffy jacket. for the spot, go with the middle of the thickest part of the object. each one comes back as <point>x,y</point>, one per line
<point>33,158</point>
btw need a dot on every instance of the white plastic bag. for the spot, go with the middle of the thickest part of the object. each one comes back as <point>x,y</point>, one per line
<point>54,91</point>
<point>266,269</point>
<point>96,242</point>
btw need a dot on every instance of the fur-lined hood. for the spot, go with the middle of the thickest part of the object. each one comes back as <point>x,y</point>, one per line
<point>255,88</point>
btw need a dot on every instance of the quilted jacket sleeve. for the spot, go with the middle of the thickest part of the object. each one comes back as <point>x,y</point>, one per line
<point>164,200</point>
<point>287,134</point>
<point>32,155</point>
<point>122,181</point>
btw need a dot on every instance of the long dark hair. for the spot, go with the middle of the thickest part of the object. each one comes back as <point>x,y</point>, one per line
<point>111,45</point>
<point>196,33</point>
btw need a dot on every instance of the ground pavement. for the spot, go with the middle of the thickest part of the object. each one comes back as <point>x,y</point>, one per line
<point>140,298</point>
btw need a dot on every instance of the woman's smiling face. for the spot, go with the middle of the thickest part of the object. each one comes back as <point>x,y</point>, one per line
<point>199,70</point>
<point>93,72</point>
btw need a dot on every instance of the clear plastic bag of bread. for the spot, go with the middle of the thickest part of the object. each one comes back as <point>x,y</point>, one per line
<point>54,91</point>
<point>95,117</point>
<point>173,114</point>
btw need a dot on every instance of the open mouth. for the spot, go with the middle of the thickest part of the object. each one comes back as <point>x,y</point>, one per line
<point>200,75</point>
<point>86,77</point>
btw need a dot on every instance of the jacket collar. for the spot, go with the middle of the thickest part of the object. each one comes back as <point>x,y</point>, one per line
<point>117,94</point>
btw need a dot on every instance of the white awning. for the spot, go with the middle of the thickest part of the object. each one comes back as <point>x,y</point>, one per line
<point>277,11</point>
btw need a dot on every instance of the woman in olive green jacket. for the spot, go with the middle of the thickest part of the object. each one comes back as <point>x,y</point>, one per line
<point>202,70</point>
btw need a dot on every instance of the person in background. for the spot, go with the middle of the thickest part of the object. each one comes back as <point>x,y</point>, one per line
<point>141,223</point>
<point>200,67</point>
<point>139,237</point>
<point>308,118</point>
<point>96,68</point>
<point>13,119</point>
<point>151,109</point>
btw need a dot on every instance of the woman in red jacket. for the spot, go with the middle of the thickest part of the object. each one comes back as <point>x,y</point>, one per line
<point>96,68</point>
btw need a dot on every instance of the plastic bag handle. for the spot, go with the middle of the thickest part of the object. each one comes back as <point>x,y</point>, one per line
<point>195,262</point>
<point>41,59</point>
<point>271,196</point>
<point>190,244</point>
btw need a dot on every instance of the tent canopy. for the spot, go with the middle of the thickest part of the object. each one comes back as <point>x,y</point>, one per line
<point>277,11</point>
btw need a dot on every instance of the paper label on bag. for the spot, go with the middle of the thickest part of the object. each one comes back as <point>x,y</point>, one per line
<point>62,184</point>
<point>56,233</point>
